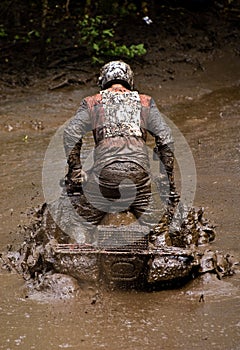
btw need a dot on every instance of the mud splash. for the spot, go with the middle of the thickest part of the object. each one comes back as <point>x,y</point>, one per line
<point>53,264</point>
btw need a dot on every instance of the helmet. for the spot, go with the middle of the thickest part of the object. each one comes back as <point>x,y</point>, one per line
<point>116,72</point>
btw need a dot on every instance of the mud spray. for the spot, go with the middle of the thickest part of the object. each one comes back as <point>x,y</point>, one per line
<point>51,262</point>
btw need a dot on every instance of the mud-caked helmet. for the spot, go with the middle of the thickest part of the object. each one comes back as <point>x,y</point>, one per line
<point>116,72</point>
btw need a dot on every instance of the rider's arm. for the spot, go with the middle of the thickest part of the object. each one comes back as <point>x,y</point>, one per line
<point>157,125</point>
<point>164,144</point>
<point>78,126</point>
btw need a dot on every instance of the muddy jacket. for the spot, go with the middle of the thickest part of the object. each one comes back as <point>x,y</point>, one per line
<point>119,120</point>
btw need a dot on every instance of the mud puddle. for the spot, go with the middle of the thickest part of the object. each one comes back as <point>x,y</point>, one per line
<point>175,319</point>
<point>203,313</point>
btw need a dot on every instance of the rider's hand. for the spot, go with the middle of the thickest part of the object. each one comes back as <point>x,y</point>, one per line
<point>174,197</point>
<point>78,176</point>
<point>75,179</point>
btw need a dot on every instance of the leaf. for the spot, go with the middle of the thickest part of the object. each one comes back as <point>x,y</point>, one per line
<point>95,46</point>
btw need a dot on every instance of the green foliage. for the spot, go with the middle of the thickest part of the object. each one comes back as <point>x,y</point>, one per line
<point>26,38</point>
<point>99,40</point>
<point>131,51</point>
<point>2,32</point>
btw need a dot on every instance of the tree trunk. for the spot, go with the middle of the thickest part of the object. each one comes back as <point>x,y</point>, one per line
<point>42,55</point>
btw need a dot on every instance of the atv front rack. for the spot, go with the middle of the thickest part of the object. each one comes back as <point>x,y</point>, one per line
<point>122,255</point>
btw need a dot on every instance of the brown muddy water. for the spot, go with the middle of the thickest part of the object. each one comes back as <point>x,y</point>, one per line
<point>206,110</point>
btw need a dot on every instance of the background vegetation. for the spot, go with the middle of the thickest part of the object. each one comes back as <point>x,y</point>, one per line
<point>38,33</point>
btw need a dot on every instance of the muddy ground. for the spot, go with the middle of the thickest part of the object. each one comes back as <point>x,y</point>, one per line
<point>194,76</point>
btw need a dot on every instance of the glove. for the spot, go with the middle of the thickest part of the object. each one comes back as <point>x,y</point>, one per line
<point>75,179</point>
<point>166,157</point>
<point>78,176</point>
<point>174,198</point>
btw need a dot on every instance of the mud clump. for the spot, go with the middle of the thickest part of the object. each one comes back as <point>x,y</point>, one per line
<point>49,285</point>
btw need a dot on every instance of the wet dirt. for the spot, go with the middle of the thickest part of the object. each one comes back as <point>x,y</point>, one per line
<point>205,106</point>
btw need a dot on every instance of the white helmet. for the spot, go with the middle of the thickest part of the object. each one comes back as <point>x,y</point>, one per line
<point>116,72</point>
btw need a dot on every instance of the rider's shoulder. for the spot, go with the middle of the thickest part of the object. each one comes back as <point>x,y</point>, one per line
<point>93,100</point>
<point>145,99</point>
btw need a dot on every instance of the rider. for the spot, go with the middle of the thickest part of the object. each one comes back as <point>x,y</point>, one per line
<point>119,118</point>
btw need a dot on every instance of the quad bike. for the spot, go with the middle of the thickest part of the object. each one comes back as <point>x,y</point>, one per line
<point>125,256</point>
